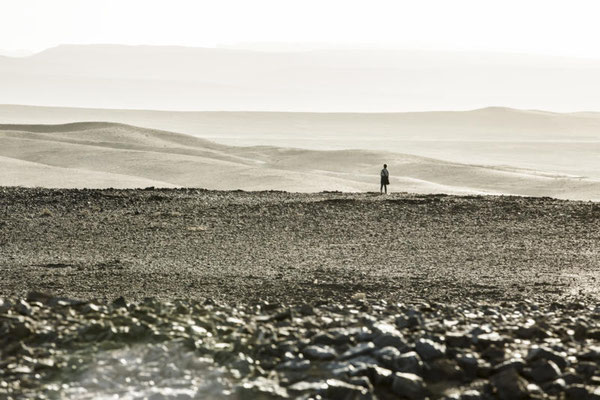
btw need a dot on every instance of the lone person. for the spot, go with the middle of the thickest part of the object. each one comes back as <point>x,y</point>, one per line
<point>385,179</point>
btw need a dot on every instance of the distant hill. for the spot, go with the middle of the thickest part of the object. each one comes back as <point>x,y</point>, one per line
<point>99,154</point>
<point>552,143</point>
<point>491,123</point>
<point>183,78</point>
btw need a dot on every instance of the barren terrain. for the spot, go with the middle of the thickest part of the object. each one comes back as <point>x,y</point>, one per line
<point>239,246</point>
<point>105,155</point>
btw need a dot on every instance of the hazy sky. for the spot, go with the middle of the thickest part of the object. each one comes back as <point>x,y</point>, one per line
<point>568,27</point>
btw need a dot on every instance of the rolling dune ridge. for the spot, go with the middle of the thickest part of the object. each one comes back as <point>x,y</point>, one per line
<point>102,154</point>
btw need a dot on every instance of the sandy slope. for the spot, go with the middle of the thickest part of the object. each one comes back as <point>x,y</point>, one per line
<point>101,154</point>
<point>555,143</point>
<point>24,173</point>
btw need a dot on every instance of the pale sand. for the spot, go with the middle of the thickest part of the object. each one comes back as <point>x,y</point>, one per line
<point>98,155</point>
<point>553,143</point>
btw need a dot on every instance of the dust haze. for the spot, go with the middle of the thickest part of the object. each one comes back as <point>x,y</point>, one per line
<point>320,80</point>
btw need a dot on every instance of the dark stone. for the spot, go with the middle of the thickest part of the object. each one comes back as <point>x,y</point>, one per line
<point>594,334</point>
<point>536,353</point>
<point>484,369</point>
<point>90,308</point>
<point>361,381</point>
<point>516,364</point>
<point>337,389</point>
<point>593,354</point>
<point>485,340</point>
<point>386,355</point>
<point>303,387</point>
<point>296,364</point>
<point>408,362</point>
<point>319,352</point>
<point>586,368</point>
<point>407,322</point>
<point>458,339</point>
<point>23,308</point>
<point>283,315</point>
<point>429,350</point>
<point>119,303</point>
<point>494,354</point>
<point>389,340</point>
<point>260,388</point>
<point>555,387</point>
<point>19,331</point>
<point>509,385</point>
<point>580,333</point>
<point>409,385</point>
<point>329,340</point>
<point>307,309</point>
<point>576,392</point>
<point>595,395</point>
<point>358,350</point>
<point>531,332</point>
<point>442,369</point>
<point>380,376</point>
<point>571,378</point>
<point>469,364</point>
<point>471,394</point>
<point>543,371</point>
<point>344,368</point>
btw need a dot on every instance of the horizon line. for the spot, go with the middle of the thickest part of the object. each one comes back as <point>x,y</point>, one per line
<point>491,107</point>
<point>317,48</point>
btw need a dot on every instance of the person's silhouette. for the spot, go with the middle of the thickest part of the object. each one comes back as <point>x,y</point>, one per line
<point>385,179</point>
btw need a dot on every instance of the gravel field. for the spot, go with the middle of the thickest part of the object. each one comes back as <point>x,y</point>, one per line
<point>193,294</point>
<point>285,247</point>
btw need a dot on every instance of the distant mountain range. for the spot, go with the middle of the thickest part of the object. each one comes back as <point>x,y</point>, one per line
<point>334,130</point>
<point>180,78</point>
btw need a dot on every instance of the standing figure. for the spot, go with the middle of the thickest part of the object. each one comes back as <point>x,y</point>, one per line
<point>385,179</point>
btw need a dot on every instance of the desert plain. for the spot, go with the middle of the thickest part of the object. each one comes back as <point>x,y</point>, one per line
<point>236,255</point>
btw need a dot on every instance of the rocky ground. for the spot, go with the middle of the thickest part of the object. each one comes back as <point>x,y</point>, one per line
<point>359,349</point>
<point>276,295</point>
<point>285,247</point>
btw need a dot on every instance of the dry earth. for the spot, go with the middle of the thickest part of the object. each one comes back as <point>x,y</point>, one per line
<point>284,247</point>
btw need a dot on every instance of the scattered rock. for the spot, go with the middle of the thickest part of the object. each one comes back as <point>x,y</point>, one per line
<point>306,387</point>
<point>408,362</point>
<point>576,392</point>
<point>536,353</point>
<point>429,350</point>
<point>509,385</point>
<point>261,387</point>
<point>409,385</point>
<point>337,389</point>
<point>212,350</point>
<point>315,352</point>
<point>358,350</point>
<point>543,371</point>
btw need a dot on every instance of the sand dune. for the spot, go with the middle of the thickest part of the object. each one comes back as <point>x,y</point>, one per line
<point>552,143</point>
<point>495,124</point>
<point>98,154</point>
<point>24,173</point>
